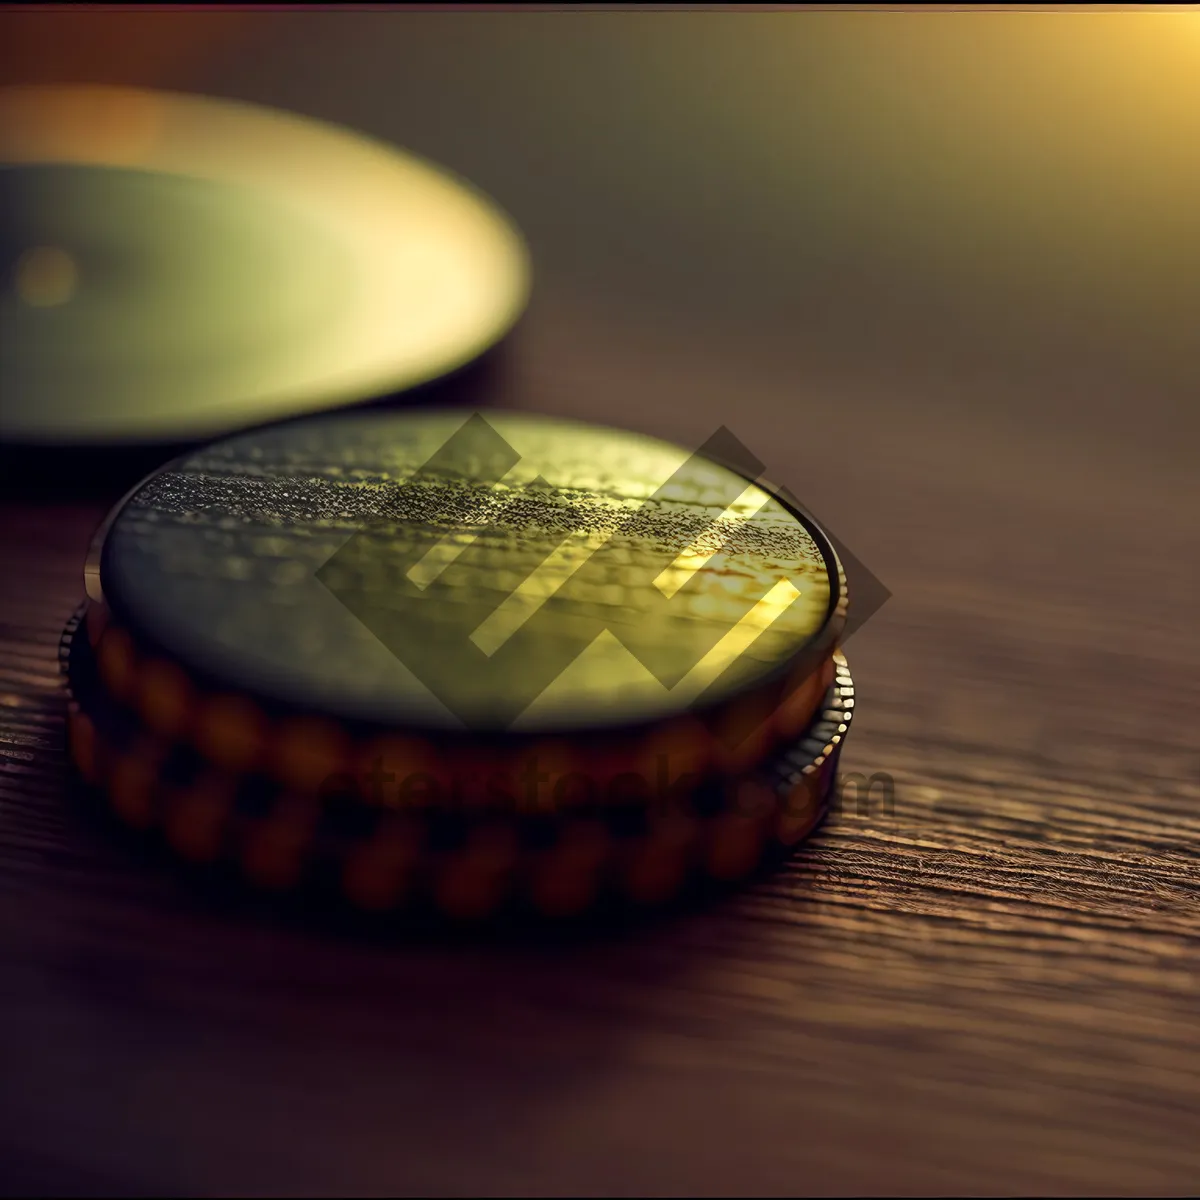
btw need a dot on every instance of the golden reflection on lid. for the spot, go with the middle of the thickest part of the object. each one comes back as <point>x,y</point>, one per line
<point>434,596</point>
<point>420,273</point>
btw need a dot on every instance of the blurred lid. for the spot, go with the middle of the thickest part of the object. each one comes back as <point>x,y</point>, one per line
<point>173,267</point>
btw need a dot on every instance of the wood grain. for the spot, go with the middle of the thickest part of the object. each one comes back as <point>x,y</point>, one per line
<point>993,989</point>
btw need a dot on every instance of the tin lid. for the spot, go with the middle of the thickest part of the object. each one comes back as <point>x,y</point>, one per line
<point>471,575</point>
<point>173,267</point>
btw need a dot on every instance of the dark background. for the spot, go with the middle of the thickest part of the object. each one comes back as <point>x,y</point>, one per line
<point>941,272</point>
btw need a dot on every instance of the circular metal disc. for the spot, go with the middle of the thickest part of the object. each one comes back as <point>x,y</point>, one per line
<point>481,570</point>
<point>173,266</point>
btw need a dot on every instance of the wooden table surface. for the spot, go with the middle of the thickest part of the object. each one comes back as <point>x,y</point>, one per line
<point>993,989</point>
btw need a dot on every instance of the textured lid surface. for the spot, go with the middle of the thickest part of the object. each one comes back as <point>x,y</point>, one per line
<point>448,569</point>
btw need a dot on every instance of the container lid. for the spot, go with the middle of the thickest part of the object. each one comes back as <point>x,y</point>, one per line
<point>174,267</point>
<point>471,574</point>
